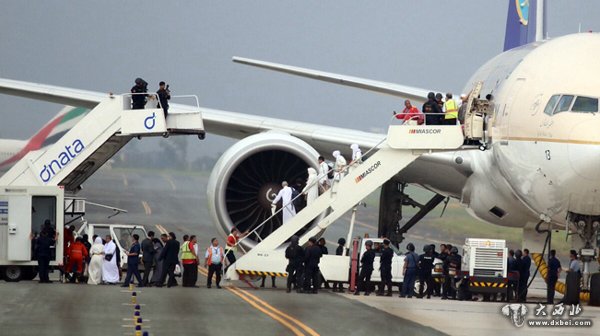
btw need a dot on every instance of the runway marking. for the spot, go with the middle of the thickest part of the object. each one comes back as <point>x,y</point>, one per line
<point>161,229</point>
<point>269,310</point>
<point>170,180</point>
<point>239,293</point>
<point>125,182</point>
<point>147,208</point>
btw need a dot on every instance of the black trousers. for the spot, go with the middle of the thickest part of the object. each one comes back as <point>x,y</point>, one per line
<point>523,289</point>
<point>132,269</point>
<point>190,275</point>
<point>294,276</point>
<point>449,287</point>
<point>386,280</point>
<point>551,290</point>
<point>214,269</point>
<point>147,269</point>
<point>425,279</point>
<point>311,278</point>
<point>364,279</point>
<point>230,258</point>
<point>43,265</point>
<point>168,269</point>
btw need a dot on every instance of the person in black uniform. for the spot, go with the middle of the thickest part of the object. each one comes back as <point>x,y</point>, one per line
<point>524,275</point>
<point>43,252</point>
<point>554,268</point>
<point>385,267</point>
<point>366,269</point>
<point>138,98</point>
<point>431,106</point>
<point>312,255</point>
<point>321,242</point>
<point>425,267</point>
<point>148,253</point>
<point>164,94</point>
<point>170,256</point>
<point>337,285</point>
<point>452,266</point>
<point>295,254</point>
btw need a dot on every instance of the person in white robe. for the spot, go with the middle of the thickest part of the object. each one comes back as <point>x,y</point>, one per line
<point>340,164</point>
<point>95,267</point>
<point>110,270</point>
<point>312,186</point>
<point>356,153</point>
<point>285,195</point>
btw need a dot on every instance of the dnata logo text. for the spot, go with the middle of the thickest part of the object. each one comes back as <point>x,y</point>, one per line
<point>63,158</point>
<point>425,131</point>
<point>368,171</point>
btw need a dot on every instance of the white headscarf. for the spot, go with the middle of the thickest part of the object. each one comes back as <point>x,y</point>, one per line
<point>98,240</point>
<point>356,152</point>
<point>336,153</point>
<point>311,171</point>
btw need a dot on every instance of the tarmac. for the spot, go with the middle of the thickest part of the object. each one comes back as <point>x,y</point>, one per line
<point>177,202</point>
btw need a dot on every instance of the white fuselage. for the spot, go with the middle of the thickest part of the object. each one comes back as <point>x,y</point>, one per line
<point>540,164</point>
<point>8,149</point>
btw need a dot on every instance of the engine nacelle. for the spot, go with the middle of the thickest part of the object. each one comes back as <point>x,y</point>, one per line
<point>248,176</point>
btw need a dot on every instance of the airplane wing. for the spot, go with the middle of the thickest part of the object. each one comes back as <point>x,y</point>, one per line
<point>325,139</point>
<point>407,92</point>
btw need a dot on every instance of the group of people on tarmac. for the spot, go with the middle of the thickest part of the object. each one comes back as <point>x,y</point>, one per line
<point>435,111</point>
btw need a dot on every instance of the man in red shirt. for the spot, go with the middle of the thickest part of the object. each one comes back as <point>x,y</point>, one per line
<point>77,254</point>
<point>232,241</point>
<point>410,114</point>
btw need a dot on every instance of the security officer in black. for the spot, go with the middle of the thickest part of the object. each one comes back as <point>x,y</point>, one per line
<point>312,256</point>
<point>138,98</point>
<point>43,251</point>
<point>425,267</point>
<point>164,94</point>
<point>337,285</point>
<point>385,267</point>
<point>451,270</point>
<point>295,254</point>
<point>364,277</point>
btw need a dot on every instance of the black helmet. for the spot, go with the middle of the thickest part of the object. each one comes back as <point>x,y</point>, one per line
<point>518,254</point>
<point>410,247</point>
<point>369,243</point>
<point>454,250</point>
<point>342,241</point>
<point>139,81</point>
<point>430,95</point>
<point>426,248</point>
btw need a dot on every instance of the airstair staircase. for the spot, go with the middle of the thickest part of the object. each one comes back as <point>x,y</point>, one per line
<point>95,139</point>
<point>403,145</point>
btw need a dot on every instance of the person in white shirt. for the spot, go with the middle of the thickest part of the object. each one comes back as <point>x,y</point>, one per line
<point>285,196</point>
<point>356,153</point>
<point>312,187</point>
<point>340,164</point>
<point>323,170</point>
<point>110,270</point>
<point>214,259</point>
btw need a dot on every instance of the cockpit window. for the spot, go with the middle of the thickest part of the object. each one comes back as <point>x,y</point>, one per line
<point>585,104</point>
<point>551,104</point>
<point>563,104</point>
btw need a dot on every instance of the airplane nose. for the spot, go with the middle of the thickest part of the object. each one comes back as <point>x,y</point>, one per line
<point>584,149</point>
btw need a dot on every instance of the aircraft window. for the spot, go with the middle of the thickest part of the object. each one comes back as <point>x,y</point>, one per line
<point>551,104</point>
<point>563,104</point>
<point>585,104</point>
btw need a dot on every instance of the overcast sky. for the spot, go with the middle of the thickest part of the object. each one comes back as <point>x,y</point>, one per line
<point>104,45</point>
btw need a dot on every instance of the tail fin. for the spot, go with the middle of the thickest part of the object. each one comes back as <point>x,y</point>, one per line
<point>525,23</point>
<point>50,132</point>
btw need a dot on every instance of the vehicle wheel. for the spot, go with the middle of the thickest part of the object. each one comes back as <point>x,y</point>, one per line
<point>29,273</point>
<point>165,135</point>
<point>416,287</point>
<point>201,136</point>
<point>13,273</point>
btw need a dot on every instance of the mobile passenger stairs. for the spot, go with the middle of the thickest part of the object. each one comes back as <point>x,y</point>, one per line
<point>34,189</point>
<point>403,145</point>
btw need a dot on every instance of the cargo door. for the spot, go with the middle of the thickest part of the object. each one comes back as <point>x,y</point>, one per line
<point>19,228</point>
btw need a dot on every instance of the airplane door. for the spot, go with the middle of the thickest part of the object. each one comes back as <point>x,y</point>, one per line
<point>19,228</point>
<point>502,116</point>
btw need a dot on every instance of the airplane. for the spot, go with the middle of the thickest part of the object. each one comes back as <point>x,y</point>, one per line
<point>538,169</point>
<point>12,150</point>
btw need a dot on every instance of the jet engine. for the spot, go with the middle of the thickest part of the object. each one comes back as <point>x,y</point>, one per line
<point>248,176</point>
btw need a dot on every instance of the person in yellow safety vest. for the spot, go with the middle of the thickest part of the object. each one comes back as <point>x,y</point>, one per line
<point>451,110</point>
<point>231,247</point>
<point>189,259</point>
<point>214,259</point>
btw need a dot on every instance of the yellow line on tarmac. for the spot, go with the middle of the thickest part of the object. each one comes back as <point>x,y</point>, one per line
<point>170,180</point>
<point>239,293</point>
<point>147,208</point>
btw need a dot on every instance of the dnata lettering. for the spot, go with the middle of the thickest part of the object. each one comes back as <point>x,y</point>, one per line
<point>367,172</point>
<point>425,131</point>
<point>63,158</point>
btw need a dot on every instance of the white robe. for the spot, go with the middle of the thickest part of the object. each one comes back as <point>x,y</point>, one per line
<point>95,268</point>
<point>340,164</point>
<point>323,169</point>
<point>285,195</point>
<point>110,270</point>
<point>312,187</point>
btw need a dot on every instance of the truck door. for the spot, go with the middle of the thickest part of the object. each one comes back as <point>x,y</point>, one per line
<point>19,227</point>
